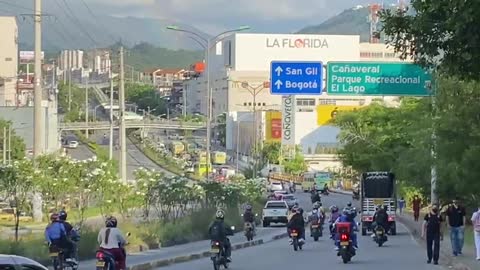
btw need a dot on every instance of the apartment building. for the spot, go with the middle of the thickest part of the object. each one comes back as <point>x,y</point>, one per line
<point>8,60</point>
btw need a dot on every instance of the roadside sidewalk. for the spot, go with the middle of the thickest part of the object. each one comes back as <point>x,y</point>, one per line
<point>466,261</point>
<point>187,252</point>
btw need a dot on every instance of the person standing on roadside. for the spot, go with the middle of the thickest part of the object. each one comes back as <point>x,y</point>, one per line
<point>416,202</point>
<point>476,231</point>
<point>432,230</point>
<point>401,205</point>
<point>456,218</point>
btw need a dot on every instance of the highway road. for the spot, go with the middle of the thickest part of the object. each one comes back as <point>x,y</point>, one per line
<point>399,253</point>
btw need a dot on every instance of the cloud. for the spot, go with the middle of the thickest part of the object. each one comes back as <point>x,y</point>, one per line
<point>218,15</point>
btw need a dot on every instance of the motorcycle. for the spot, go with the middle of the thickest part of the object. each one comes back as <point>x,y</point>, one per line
<point>295,240</point>
<point>316,231</point>
<point>217,254</point>
<point>57,255</point>
<point>249,229</point>
<point>346,251</point>
<point>106,260</point>
<point>380,237</point>
<point>249,232</point>
<point>325,192</point>
<point>355,195</point>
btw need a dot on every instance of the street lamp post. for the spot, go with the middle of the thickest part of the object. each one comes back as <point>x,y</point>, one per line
<point>210,42</point>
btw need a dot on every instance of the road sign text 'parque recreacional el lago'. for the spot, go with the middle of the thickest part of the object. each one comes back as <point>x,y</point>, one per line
<point>378,78</point>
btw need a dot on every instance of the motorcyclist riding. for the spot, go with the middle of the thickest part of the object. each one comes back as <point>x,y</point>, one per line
<point>72,235</point>
<point>219,231</point>
<point>249,216</point>
<point>346,216</point>
<point>298,223</point>
<point>56,236</point>
<point>381,218</point>
<point>111,240</point>
<point>315,196</point>
<point>334,214</point>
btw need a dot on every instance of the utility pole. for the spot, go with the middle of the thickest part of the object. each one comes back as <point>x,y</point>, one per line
<point>86,107</point>
<point>39,133</point>
<point>9,144</point>
<point>4,146</point>
<point>209,109</point>
<point>38,118</point>
<point>123,139</point>
<point>110,146</point>
<point>69,89</point>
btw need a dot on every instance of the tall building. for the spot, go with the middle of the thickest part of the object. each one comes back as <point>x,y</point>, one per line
<point>8,60</point>
<point>71,59</point>
<point>99,61</point>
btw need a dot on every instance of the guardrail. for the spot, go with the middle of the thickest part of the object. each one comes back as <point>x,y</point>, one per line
<point>133,124</point>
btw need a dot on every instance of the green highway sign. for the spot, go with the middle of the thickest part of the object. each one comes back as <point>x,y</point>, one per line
<point>377,78</point>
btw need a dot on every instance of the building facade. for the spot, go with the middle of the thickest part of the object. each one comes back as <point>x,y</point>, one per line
<point>8,60</point>
<point>71,59</point>
<point>240,83</point>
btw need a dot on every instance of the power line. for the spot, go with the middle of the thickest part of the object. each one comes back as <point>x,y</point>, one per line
<point>75,20</point>
<point>96,19</point>
<point>16,6</point>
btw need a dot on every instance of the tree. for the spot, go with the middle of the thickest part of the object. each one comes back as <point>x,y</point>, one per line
<point>17,144</point>
<point>297,164</point>
<point>146,98</point>
<point>18,183</point>
<point>439,34</point>
<point>271,152</point>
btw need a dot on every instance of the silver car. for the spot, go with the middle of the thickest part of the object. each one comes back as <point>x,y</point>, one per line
<point>290,200</point>
<point>13,262</point>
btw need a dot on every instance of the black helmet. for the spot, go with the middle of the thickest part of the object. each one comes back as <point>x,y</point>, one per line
<point>349,204</point>
<point>62,215</point>
<point>111,222</point>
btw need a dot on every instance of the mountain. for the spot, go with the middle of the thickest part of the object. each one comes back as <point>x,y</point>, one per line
<point>144,56</point>
<point>74,27</point>
<point>354,21</point>
<point>350,22</point>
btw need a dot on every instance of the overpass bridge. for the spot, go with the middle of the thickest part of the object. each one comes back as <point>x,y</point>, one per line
<point>152,124</point>
<point>323,161</point>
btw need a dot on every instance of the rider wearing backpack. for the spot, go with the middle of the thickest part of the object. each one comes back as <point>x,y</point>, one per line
<point>219,231</point>
<point>432,229</point>
<point>476,231</point>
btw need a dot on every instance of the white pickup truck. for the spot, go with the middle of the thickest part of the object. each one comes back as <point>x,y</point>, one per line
<point>276,212</point>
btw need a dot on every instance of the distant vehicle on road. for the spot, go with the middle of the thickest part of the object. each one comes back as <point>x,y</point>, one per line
<point>290,200</point>
<point>275,211</point>
<point>219,158</point>
<point>73,144</point>
<point>275,186</point>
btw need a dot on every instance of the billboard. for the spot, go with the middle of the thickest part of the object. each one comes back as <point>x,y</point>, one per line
<point>28,57</point>
<point>273,129</point>
<point>326,112</point>
<point>288,120</point>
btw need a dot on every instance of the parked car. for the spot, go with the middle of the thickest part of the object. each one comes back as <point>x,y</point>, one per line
<point>13,262</point>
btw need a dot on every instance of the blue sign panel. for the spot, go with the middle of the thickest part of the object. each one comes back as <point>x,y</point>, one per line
<point>296,78</point>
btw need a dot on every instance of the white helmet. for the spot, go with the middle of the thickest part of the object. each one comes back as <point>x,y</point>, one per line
<point>220,214</point>
<point>314,211</point>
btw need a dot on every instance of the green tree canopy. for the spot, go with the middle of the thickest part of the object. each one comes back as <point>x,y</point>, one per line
<point>439,34</point>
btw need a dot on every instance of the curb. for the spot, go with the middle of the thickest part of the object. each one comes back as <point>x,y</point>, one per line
<point>200,255</point>
<point>341,192</point>
<point>445,257</point>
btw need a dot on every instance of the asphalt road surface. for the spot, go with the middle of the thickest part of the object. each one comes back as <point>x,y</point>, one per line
<point>399,253</point>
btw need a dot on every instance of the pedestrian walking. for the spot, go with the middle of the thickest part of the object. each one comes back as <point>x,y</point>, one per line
<point>476,231</point>
<point>456,218</point>
<point>433,232</point>
<point>416,203</point>
<point>401,205</point>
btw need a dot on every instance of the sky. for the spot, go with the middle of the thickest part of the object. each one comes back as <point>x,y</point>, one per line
<point>213,16</point>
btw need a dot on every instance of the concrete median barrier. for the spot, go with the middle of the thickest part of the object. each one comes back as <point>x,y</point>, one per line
<point>195,256</point>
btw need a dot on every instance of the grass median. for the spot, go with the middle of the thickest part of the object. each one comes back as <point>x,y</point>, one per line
<point>144,235</point>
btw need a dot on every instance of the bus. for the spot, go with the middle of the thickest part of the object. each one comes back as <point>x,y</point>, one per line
<point>308,181</point>
<point>200,169</point>
<point>177,148</point>
<point>219,158</point>
<point>322,178</point>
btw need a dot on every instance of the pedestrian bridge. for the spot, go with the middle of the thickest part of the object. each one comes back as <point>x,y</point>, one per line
<point>152,124</point>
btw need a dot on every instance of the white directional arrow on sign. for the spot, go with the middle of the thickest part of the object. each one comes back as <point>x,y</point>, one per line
<point>279,70</point>
<point>278,84</point>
